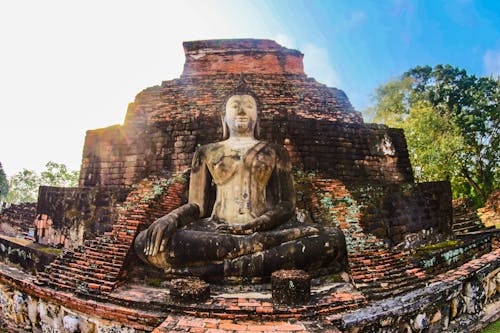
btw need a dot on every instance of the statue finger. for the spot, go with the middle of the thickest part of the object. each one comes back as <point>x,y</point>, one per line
<point>163,245</point>
<point>312,230</point>
<point>157,240</point>
<point>223,227</point>
<point>151,237</point>
<point>148,241</point>
<point>247,231</point>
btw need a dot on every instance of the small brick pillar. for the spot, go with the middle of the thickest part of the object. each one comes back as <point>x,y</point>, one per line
<point>291,286</point>
<point>189,290</point>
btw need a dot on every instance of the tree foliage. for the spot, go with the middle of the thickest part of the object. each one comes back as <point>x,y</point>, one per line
<point>57,174</point>
<point>24,185</point>
<point>451,121</point>
<point>4,184</point>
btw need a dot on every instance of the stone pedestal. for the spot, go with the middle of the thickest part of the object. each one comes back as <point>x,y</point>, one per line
<point>291,287</point>
<point>189,290</point>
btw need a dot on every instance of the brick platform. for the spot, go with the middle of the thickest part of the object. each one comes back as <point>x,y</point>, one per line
<point>135,318</point>
<point>186,324</point>
<point>248,315</point>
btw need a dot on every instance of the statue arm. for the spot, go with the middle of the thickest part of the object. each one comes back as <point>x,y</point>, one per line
<point>200,184</point>
<point>162,229</point>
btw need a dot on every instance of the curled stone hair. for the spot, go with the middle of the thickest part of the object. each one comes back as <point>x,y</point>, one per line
<point>240,89</point>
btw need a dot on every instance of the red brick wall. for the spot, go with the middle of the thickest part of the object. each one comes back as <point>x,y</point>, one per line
<point>240,55</point>
<point>351,152</point>
<point>92,208</point>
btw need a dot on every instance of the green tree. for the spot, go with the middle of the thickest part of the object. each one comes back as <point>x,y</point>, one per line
<point>451,120</point>
<point>24,185</point>
<point>57,174</point>
<point>4,183</point>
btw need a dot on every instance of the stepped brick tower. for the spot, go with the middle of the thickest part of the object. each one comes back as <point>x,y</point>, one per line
<point>349,174</point>
<point>316,123</point>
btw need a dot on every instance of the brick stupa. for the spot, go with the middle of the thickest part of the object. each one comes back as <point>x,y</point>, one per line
<point>347,174</point>
<point>316,123</point>
<point>334,153</point>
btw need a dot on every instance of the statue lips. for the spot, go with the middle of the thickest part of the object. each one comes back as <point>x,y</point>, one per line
<point>241,121</point>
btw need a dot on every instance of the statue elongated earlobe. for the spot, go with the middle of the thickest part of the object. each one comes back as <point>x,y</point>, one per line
<point>225,130</point>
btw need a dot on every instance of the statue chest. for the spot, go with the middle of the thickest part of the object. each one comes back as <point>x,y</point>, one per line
<point>254,168</point>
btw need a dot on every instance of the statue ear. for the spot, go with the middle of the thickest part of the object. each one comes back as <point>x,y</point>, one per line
<point>225,130</point>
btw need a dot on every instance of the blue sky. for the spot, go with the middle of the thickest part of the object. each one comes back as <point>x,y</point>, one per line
<point>70,66</point>
<point>368,42</point>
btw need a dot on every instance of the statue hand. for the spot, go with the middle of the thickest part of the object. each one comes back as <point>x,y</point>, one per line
<point>261,223</point>
<point>237,229</point>
<point>159,233</point>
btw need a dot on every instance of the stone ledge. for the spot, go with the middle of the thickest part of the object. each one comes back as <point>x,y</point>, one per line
<point>443,289</point>
<point>134,318</point>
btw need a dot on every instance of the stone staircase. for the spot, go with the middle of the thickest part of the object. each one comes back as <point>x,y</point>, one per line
<point>465,218</point>
<point>376,270</point>
<point>92,269</point>
<point>381,273</point>
<point>97,267</point>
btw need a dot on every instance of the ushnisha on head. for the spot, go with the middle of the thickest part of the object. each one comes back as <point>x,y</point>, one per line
<point>240,116</point>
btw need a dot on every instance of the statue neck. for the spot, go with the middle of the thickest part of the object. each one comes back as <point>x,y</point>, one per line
<point>240,141</point>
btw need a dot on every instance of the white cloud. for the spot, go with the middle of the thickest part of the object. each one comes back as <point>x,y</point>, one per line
<point>317,64</point>
<point>491,62</point>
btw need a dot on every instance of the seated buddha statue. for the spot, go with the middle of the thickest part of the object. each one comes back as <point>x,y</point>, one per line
<point>240,217</point>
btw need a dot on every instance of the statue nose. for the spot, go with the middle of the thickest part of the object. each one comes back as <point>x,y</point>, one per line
<point>241,110</point>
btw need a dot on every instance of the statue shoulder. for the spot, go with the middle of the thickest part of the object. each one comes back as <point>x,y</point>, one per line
<point>199,157</point>
<point>280,151</point>
<point>203,152</point>
<point>207,149</point>
<point>282,157</point>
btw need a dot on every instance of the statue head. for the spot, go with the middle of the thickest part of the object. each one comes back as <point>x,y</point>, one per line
<point>240,116</point>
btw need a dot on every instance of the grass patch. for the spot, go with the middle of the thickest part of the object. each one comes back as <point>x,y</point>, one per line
<point>335,278</point>
<point>492,328</point>
<point>442,245</point>
<point>50,250</point>
<point>154,282</point>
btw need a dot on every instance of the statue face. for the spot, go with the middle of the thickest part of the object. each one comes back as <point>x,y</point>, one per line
<point>241,114</point>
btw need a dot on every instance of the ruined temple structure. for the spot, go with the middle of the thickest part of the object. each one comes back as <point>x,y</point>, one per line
<point>347,174</point>
<point>18,218</point>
